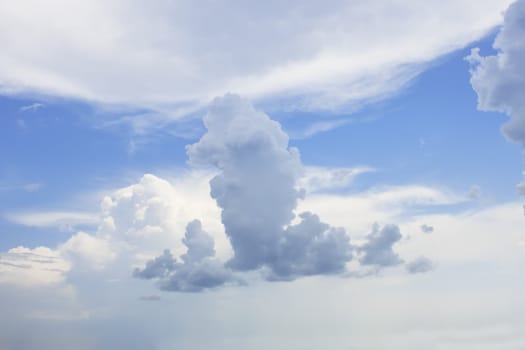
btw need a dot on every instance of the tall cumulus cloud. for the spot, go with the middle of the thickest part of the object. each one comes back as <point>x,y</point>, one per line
<point>256,189</point>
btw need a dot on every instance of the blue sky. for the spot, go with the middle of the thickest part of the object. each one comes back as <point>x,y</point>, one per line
<point>154,169</point>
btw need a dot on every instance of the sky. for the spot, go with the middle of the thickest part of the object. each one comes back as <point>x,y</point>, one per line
<point>233,175</point>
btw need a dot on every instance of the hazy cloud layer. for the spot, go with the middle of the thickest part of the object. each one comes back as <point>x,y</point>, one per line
<point>108,315</point>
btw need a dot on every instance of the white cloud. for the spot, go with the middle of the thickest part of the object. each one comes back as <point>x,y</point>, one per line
<point>318,179</point>
<point>499,79</point>
<point>32,267</point>
<point>357,211</point>
<point>32,187</point>
<point>88,250</point>
<point>32,107</point>
<point>492,234</point>
<point>152,214</point>
<point>61,219</point>
<point>174,56</point>
<point>319,127</point>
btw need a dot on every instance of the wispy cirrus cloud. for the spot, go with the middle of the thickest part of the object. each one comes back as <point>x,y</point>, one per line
<point>318,179</point>
<point>32,107</point>
<point>52,218</point>
<point>308,55</point>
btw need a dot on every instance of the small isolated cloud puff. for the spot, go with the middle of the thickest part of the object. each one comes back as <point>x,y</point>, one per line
<point>499,80</point>
<point>474,192</point>
<point>426,228</point>
<point>521,186</point>
<point>378,250</point>
<point>420,265</point>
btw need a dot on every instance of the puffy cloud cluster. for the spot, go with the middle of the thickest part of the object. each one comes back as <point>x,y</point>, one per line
<point>378,251</point>
<point>310,247</point>
<point>499,79</point>
<point>135,223</point>
<point>199,269</point>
